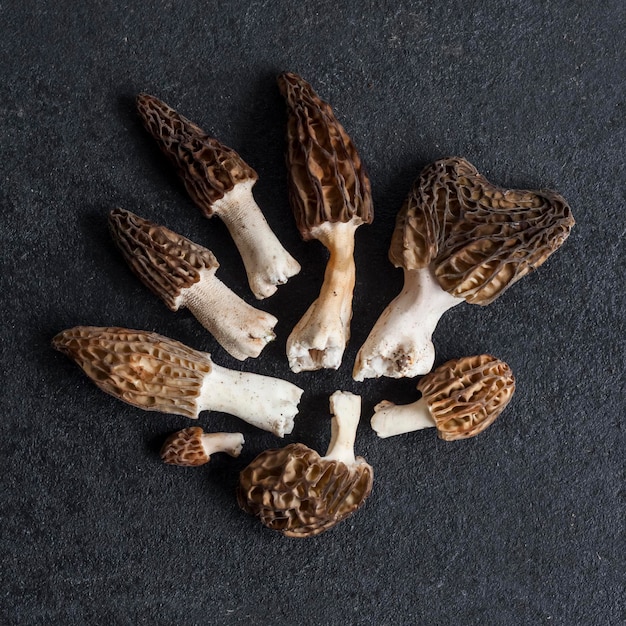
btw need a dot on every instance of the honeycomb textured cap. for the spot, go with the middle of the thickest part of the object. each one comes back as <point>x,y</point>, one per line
<point>479,238</point>
<point>185,448</point>
<point>327,181</point>
<point>297,492</point>
<point>208,168</point>
<point>466,395</point>
<point>163,260</point>
<point>146,370</point>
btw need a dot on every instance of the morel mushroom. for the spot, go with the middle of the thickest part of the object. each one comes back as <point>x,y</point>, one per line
<point>458,238</point>
<point>297,492</point>
<point>191,447</point>
<point>155,373</point>
<point>330,196</point>
<point>220,182</point>
<point>460,398</point>
<point>182,274</point>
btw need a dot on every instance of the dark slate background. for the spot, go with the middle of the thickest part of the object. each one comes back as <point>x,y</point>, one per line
<point>523,525</point>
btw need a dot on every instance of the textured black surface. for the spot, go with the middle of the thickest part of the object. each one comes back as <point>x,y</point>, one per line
<point>523,525</point>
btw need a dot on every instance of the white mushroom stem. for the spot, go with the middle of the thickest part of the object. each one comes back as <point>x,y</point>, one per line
<point>240,329</point>
<point>319,339</point>
<point>265,402</point>
<point>391,419</point>
<point>346,410</point>
<point>231,443</point>
<point>267,263</point>
<point>400,344</point>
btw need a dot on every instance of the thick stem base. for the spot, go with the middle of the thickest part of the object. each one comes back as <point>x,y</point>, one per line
<point>400,343</point>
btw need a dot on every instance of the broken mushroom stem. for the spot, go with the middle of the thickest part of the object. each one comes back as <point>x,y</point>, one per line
<point>239,328</point>
<point>266,262</point>
<point>391,419</point>
<point>263,401</point>
<point>230,443</point>
<point>346,410</point>
<point>400,343</point>
<point>319,339</point>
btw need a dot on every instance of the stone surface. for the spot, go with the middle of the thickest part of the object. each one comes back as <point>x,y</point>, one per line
<point>521,525</point>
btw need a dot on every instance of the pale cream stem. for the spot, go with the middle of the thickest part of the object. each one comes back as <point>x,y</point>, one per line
<point>266,402</point>
<point>230,443</point>
<point>240,329</point>
<point>391,419</point>
<point>267,263</point>
<point>400,343</point>
<point>346,410</point>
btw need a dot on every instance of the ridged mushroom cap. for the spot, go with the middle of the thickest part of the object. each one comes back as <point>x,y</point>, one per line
<point>185,448</point>
<point>208,168</point>
<point>479,238</point>
<point>327,181</point>
<point>466,395</point>
<point>144,369</point>
<point>299,493</point>
<point>163,260</point>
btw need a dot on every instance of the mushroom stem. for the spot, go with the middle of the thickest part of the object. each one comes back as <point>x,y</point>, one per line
<point>391,419</point>
<point>239,328</point>
<point>319,339</point>
<point>231,443</point>
<point>346,410</point>
<point>265,402</point>
<point>267,263</point>
<point>400,343</point>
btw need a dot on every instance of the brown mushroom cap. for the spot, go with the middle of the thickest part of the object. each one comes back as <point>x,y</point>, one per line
<point>164,261</point>
<point>466,395</point>
<point>479,238</point>
<point>327,181</point>
<point>297,492</point>
<point>185,448</point>
<point>144,369</point>
<point>208,168</point>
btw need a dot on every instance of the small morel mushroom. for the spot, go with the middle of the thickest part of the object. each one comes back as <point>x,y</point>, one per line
<point>297,492</point>
<point>182,274</point>
<point>460,398</point>
<point>220,182</point>
<point>330,196</point>
<point>192,446</point>
<point>458,238</point>
<point>155,373</point>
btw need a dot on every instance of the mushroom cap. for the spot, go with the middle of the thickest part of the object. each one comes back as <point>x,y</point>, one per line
<point>208,168</point>
<point>141,368</point>
<point>466,395</point>
<point>297,492</point>
<point>479,238</point>
<point>163,260</point>
<point>327,181</point>
<point>185,448</point>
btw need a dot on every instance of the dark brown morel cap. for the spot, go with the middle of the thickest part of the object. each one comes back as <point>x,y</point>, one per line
<point>297,492</point>
<point>164,261</point>
<point>185,448</point>
<point>479,238</point>
<point>466,395</point>
<point>207,167</point>
<point>144,369</point>
<point>327,181</point>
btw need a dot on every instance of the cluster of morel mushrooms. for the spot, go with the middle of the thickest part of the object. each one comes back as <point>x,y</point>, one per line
<point>457,238</point>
